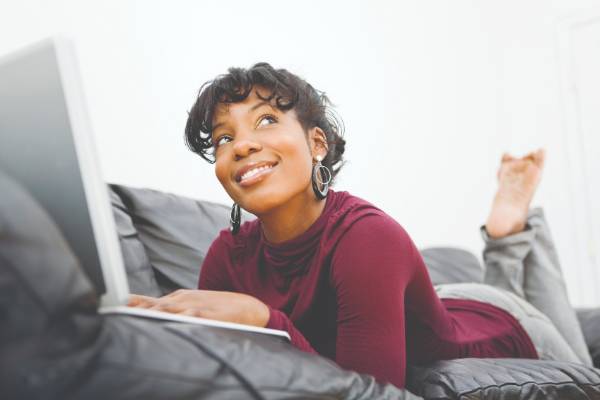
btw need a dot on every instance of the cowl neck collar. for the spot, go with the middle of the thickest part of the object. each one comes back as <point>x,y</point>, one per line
<point>293,256</point>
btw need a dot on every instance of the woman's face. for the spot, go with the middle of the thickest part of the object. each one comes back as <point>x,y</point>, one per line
<point>263,155</point>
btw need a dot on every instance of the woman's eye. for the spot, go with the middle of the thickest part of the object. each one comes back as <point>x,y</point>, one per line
<point>266,120</point>
<point>222,140</point>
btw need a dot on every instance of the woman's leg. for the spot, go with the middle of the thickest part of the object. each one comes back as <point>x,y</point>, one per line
<point>519,253</point>
<point>526,264</point>
<point>508,239</point>
<point>519,264</point>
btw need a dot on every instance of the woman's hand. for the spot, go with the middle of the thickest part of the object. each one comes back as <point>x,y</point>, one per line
<point>223,306</point>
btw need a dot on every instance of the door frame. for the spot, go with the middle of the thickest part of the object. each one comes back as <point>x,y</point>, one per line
<point>584,237</point>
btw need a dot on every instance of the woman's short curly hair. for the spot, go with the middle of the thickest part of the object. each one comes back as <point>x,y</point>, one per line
<point>286,92</point>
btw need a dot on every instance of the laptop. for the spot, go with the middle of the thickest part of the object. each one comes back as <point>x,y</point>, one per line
<point>46,144</point>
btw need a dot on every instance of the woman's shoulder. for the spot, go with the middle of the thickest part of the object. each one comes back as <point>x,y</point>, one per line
<point>356,216</point>
<point>363,236</point>
<point>350,209</point>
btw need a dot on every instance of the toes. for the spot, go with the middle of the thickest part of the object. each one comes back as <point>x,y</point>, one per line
<point>540,157</point>
<point>529,156</point>
<point>507,157</point>
<point>537,157</point>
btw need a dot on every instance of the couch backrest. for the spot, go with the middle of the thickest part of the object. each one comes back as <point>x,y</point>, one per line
<point>452,265</point>
<point>165,237</point>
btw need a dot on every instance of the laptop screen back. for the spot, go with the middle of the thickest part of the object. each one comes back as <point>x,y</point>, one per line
<point>39,150</point>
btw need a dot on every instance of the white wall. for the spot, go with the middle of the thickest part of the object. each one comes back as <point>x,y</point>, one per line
<point>432,92</point>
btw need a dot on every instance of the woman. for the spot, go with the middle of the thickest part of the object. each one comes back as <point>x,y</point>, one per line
<point>338,274</point>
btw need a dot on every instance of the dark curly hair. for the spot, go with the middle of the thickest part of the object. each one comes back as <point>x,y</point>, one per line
<point>286,92</point>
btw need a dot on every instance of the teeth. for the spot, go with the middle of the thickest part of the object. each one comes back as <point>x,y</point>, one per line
<point>255,171</point>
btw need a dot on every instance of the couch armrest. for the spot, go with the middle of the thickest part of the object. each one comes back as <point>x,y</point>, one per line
<point>589,319</point>
<point>504,378</point>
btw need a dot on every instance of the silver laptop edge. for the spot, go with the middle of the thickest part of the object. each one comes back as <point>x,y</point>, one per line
<point>103,224</point>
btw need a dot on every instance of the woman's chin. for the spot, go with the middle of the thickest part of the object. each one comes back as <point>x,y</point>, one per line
<point>266,198</point>
<point>260,202</point>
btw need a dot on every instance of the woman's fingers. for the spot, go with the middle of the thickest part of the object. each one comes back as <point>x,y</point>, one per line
<point>175,309</point>
<point>167,307</point>
<point>191,312</point>
<point>137,300</point>
<point>184,293</point>
<point>183,302</point>
<point>221,306</point>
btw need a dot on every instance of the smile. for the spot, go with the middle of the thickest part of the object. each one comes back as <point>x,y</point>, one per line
<point>255,175</point>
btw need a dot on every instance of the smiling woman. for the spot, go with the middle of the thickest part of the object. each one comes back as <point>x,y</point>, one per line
<point>255,142</point>
<point>265,125</point>
<point>338,274</point>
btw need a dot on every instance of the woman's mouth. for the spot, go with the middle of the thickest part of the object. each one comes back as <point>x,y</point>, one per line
<point>255,175</point>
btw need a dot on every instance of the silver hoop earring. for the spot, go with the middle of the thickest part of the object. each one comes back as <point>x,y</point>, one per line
<point>321,177</point>
<point>235,219</point>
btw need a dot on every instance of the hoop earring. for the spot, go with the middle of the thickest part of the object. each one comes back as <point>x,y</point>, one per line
<point>319,172</point>
<point>235,219</point>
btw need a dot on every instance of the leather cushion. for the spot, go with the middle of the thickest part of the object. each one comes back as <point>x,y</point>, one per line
<point>176,232</point>
<point>473,378</point>
<point>452,265</point>
<point>140,274</point>
<point>589,320</point>
<point>47,304</point>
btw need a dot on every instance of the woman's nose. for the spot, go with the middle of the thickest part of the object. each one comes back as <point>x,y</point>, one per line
<point>244,147</point>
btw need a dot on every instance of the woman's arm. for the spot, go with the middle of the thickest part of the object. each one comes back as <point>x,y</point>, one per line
<point>215,299</point>
<point>371,268</point>
<point>278,320</point>
<point>213,276</point>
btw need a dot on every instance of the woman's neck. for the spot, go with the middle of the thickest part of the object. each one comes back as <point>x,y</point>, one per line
<point>291,219</point>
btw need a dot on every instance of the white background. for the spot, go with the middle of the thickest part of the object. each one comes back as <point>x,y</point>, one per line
<point>431,92</point>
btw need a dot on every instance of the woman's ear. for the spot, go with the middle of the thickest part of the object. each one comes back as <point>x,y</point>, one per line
<point>317,141</point>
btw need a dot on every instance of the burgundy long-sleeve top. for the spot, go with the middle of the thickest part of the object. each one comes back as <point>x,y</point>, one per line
<point>354,288</point>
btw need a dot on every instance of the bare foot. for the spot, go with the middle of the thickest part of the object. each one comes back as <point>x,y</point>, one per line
<point>518,179</point>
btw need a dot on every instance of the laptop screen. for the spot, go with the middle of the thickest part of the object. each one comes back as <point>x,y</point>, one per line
<point>37,148</point>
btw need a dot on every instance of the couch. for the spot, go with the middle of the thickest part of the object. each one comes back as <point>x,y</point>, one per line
<point>164,238</point>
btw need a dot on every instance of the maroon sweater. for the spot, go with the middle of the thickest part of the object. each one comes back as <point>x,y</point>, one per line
<point>354,288</point>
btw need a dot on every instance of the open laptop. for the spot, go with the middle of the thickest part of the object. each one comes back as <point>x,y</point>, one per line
<point>46,145</point>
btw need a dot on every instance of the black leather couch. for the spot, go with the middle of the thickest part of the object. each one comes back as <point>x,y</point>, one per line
<point>54,344</point>
<point>164,238</point>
